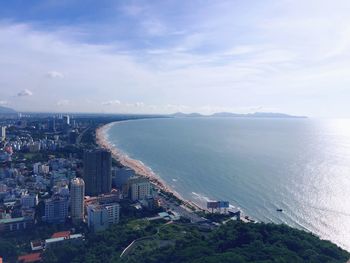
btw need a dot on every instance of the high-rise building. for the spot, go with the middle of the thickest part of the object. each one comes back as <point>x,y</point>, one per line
<point>51,124</point>
<point>56,209</point>
<point>77,193</point>
<point>97,172</point>
<point>66,120</point>
<point>100,217</point>
<point>121,177</point>
<point>2,133</point>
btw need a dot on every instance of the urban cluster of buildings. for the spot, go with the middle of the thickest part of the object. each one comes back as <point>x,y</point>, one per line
<point>38,186</point>
<point>58,190</point>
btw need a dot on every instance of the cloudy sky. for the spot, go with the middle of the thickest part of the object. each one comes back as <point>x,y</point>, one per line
<point>165,56</point>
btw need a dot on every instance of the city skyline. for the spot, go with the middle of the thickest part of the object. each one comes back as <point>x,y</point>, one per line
<point>168,56</point>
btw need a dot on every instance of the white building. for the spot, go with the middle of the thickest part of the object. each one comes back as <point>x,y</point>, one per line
<point>58,241</point>
<point>37,168</point>
<point>2,133</point>
<point>77,190</point>
<point>29,200</point>
<point>140,188</point>
<point>113,213</point>
<point>45,169</point>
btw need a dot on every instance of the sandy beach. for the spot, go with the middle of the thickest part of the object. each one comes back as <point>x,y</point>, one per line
<point>137,166</point>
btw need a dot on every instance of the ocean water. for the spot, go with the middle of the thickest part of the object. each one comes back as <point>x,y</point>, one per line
<point>259,165</point>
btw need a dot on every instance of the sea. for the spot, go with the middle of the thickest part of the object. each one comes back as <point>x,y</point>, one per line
<point>259,165</point>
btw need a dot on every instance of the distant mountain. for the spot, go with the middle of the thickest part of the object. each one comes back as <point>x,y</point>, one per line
<point>5,110</point>
<point>256,115</point>
<point>181,114</point>
<point>236,115</point>
<point>227,114</point>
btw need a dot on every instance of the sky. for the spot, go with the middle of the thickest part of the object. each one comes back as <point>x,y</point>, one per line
<point>165,56</point>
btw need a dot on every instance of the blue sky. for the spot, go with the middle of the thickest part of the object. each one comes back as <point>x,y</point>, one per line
<point>167,56</point>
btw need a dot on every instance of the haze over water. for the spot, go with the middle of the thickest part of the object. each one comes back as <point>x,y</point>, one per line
<point>259,165</point>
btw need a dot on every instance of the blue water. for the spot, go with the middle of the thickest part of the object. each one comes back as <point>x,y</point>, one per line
<point>259,165</point>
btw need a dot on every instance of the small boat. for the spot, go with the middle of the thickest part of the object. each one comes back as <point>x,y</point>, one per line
<point>279,210</point>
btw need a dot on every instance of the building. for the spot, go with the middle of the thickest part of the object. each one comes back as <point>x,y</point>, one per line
<point>100,217</point>
<point>113,197</point>
<point>121,177</point>
<point>113,213</point>
<point>59,240</point>
<point>56,209</point>
<point>139,187</point>
<point>15,224</point>
<point>45,169</point>
<point>77,193</point>
<point>97,218</point>
<point>36,245</point>
<point>2,133</point>
<point>64,234</point>
<point>51,124</point>
<point>30,258</point>
<point>29,200</point>
<point>37,168</point>
<point>97,172</point>
<point>66,120</point>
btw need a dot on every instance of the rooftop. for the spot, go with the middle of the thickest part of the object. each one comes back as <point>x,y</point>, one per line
<point>12,220</point>
<point>78,181</point>
<point>64,234</point>
<point>53,240</point>
<point>34,257</point>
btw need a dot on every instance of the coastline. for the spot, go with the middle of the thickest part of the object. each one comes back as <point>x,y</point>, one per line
<point>138,167</point>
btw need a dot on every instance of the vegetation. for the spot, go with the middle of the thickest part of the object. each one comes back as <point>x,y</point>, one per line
<point>233,242</point>
<point>215,217</point>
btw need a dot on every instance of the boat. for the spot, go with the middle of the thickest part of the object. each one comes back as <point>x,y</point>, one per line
<point>279,210</point>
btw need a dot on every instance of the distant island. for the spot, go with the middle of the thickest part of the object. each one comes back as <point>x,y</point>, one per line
<point>238,115</point>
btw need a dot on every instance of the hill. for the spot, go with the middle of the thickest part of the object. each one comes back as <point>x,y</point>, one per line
<point>181,114</point>
<point>234,242</point>
<point>5,110</point>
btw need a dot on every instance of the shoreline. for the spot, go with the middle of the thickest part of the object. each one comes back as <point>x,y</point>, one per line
<point>138,167</point>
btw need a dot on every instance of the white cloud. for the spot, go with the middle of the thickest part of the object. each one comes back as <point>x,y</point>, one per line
<point>111,102</point>
<point>132,10</point>
<point>54,74</point>
<point>154,27</point>
<point>24,93</point>
<point>139,104</point>
<point>62,102</point>
<point>278,57</point>
<point>3,102</point>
